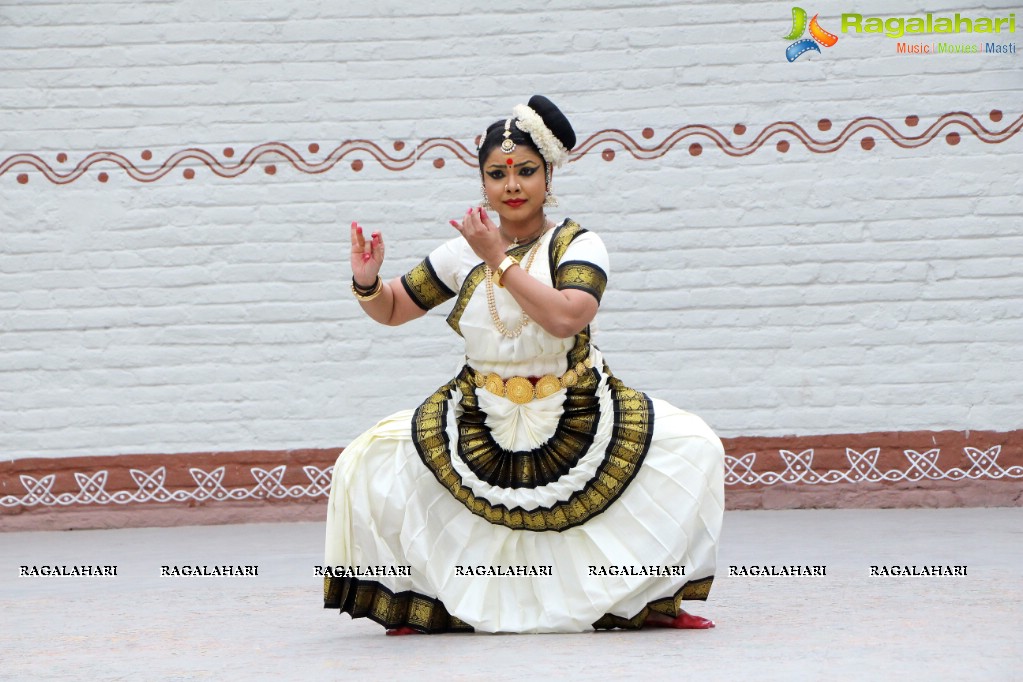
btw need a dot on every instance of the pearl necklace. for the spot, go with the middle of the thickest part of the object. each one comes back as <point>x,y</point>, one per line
<point>492,303</point>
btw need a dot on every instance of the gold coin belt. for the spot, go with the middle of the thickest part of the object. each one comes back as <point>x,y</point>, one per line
<point>492,303</point>
<point>521,390</point>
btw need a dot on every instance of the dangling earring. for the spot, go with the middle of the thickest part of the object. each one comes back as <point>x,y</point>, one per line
<point>549,200</point>
<point>485,204</point>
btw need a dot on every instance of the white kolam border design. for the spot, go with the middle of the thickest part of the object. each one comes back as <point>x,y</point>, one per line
<point>152,488</point>
<point>863,468</point>
<point>269,485</point>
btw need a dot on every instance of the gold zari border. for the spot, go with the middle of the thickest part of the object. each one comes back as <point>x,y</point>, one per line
<point>562,237</point>
<point>581,275</point>
<point>526,468</point>
<point>572,438</point>
<point>473,280</point>
<point>424,287</point>
<point>668,606</point>
<point>370,599</point>
<point>629,442</point>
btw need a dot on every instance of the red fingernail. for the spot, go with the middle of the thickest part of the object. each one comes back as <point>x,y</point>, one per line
<point>453,223</point>
<point>365,257</point>
<point>360,230</point>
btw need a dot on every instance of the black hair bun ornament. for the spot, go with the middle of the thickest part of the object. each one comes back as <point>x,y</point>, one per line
<point>556,121</point>
<point>547,126</point>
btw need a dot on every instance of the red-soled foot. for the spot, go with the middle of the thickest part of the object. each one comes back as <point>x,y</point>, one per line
<point>687,621</point>
<point>404,630</point>
<point>683,621</point>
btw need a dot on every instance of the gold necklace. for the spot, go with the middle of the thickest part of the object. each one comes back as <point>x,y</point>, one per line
<point>492,303</point>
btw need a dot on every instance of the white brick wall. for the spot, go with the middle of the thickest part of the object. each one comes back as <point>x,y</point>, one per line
<point>773,294</point>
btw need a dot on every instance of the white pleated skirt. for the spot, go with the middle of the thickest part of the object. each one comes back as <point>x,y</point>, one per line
<point>438,547</point>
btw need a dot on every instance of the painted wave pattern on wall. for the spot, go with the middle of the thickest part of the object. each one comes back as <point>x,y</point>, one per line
<point>268,484</point>
<point>868,131</point>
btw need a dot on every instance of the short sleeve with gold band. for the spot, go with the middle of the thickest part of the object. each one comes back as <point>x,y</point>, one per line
<point>581,275</point>
<point>425,287</point>
<point>436,278</point>
<point>584,266</point>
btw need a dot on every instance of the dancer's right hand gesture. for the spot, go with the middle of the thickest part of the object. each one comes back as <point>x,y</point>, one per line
<point>367,256</point>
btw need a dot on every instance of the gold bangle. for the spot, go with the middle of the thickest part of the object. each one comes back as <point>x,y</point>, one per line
<point>503,268</point>
<point>362,296</point>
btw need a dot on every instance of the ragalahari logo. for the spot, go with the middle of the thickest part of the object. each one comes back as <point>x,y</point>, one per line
<point>817,35</point>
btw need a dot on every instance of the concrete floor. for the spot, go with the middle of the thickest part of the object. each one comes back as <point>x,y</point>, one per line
<point>843,626</point>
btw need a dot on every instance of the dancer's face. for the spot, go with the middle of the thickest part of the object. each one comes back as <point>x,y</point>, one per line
<point>515,183</point>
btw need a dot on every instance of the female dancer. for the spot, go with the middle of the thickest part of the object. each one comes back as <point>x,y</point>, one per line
<point>534,492</point>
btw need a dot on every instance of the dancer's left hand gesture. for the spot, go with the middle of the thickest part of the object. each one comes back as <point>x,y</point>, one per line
<point>483,236</point>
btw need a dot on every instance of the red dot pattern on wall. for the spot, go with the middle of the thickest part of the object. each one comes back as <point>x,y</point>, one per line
<point>954,127</point>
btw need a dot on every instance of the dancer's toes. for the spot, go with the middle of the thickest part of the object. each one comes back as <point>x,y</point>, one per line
<point>687,621</point>
<point>404,630</point>
<point>683,621</point>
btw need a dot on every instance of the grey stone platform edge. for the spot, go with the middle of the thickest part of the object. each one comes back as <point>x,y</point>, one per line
<point>844,625</point>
